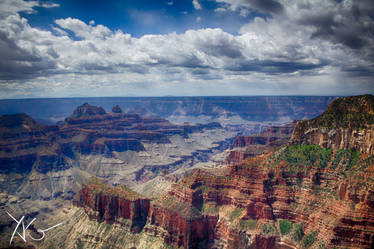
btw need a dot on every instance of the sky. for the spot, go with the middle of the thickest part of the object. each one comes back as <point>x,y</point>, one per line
<point>76,48</point>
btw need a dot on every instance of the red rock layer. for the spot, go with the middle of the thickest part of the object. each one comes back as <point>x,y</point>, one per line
<point>110,207</point>
<point>336,138</point>
<point>182,231</point>
<point>249,146</point>
<point>332,198</point>
<point>274,135</point>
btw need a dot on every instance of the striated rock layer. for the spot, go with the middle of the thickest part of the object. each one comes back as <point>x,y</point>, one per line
<point>112,204</point>
<point>306,194</point>
<point>249,146</point>
<point>37,152</point>
<point>348,123</point>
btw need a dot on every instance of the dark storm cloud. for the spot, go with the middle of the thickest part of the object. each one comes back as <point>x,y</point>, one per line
<point>205,74</point>
<point>263,6</point>
<point>274,67</point>
<point>19,63</point>
<point>266,6</point>
<point>360,71</point>
<point>227,49</point>
<point>346,26</point>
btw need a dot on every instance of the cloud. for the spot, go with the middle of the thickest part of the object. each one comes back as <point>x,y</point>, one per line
<point>196,4</point>
<point>264,6</point>
<point>49,5</point>
<point>10,7</point>
<point>347,23</point>
<point>300,42</point>
<point>27,60</point>
<point>82,30</point>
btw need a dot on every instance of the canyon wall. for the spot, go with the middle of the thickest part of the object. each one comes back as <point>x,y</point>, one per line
<point>305,194</point>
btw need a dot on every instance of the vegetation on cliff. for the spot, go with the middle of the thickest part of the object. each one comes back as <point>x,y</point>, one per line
<point>346,112</point>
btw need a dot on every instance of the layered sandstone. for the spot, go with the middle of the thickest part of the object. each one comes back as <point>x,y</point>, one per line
<point>113,204</point>
<point>306,194</point>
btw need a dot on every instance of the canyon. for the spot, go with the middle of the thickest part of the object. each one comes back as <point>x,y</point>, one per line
<point>306,184</point>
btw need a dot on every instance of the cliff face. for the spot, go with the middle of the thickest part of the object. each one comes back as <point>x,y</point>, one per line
<point>271,136</point>
<point>25,143</point>
<point>336,138</point>
<point>348,123</point>
<point>180,231</point>
<point>247,207</point>
<point>249,146</point>
<point>113,204</point>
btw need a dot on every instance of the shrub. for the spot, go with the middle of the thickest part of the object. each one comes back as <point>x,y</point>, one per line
<point>348,158</point>
<point>248,224</point>
<point>268,228</point>
<point>236,213</point>
<point>298,233</point>
<point>307,155</point>
<point>285,226</point>
<point>309,239</point>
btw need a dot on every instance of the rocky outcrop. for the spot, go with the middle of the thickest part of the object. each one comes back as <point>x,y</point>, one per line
<point>237,156</point>
<point>348,123</point>
<point>335,210</point>
<point>116,109</point>
<point>271,136</point>
<point>22,143</point>
<point>336,138</point>
<point>113,204</point>
<point>182,231</point>
<point>86,110</point>
<point>249,146</point>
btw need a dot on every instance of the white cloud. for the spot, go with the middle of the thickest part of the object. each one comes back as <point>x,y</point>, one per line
<point>220,10</point>
<point>49,5</point>
<point>196,4</point>
<point>82,30</point>
<point>10,7</point>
